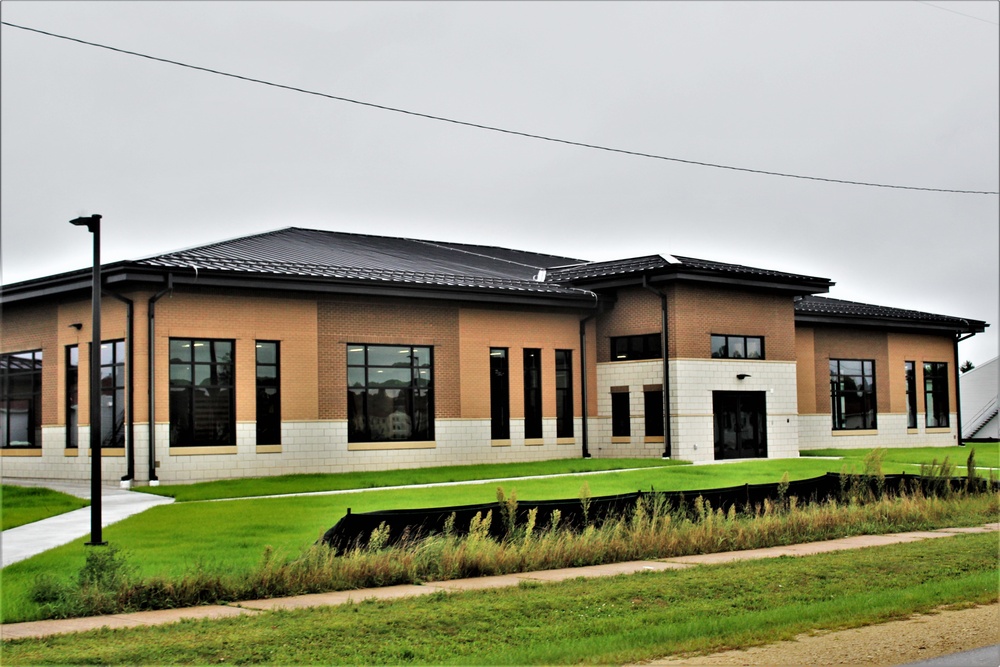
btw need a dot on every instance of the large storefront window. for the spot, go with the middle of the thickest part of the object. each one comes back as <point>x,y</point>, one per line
<point>852,394</point>
<point>936,394</point>
<point>202,398</point>
<point>390,393</point>
<point>21,399</point>
<point>113,394</point>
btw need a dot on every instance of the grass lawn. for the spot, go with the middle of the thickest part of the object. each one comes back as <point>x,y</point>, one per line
<point>24,504</point>
<point>909,459</point>
<point>599,621</point>
<point>267,486</point>
<point>173,539</point>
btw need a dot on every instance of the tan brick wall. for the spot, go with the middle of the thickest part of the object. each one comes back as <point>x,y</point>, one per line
<point>918,348</point>
<point>694,313</point>
<point>817,345</point>
<point>244,318</point>
<point>392,322</point>
<point>481,329</point>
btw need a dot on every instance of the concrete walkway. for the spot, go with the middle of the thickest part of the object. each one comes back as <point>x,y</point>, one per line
<point>30,539</point>
<point>254,607</point>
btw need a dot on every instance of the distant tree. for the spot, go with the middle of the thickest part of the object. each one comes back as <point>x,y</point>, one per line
<point>966,366</point>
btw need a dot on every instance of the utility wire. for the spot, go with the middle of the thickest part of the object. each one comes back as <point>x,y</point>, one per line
<point>948,9</point>
<point>490,127</point>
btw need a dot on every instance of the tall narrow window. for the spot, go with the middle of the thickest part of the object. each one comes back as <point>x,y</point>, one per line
<point>532,393</point>
<point>564,393</point>
<point>499,394</point>
<point>852,394</point>
<point>936,394</point>
<point>911,395</point>
<point>389,393</point>
<point>21,399</point>
<point>113,394</point>
<point>202,399</point>
<point>621,419</point>
<point>268,394</point>
<point>653,403</point>
<point>72,396</point>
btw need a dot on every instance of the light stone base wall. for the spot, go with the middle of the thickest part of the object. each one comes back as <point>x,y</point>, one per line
<point>58,462</point>
<point>816,432</point>
<point>692,425</point>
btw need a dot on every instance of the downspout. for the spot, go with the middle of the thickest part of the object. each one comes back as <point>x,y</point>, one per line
<point>583,379</point>
<point>666,365</point>
<point>130,437</point>
<point>958,388</point>
<point>151,354</point>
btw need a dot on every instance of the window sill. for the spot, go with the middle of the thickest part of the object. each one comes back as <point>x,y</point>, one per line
<point>268,449</point>
<point>653,438</point>
<point>938,429</point>
<point>11,451</point>
<point>621,438</point>
<point>565,441</point>
<point>868,431</point>
<point>202,451</point>
<point>499,443</point>
<point>534,442</point>
<point>108,451</point>
<point>390,445</point>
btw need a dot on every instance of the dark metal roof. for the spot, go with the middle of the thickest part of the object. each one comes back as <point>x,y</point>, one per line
<point>584,273</point>
<point>296,251</point>
<point>823,309</point>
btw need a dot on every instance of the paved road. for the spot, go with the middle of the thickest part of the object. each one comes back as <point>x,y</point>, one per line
<point>980,657</point>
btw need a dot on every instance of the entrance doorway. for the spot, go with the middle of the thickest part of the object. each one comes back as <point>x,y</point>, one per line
<point>740,424</point>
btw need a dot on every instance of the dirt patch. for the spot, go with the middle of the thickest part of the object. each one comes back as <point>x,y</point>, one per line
<point>921,637</point>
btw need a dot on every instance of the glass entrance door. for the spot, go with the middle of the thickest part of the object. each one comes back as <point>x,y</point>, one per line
<point>740,424</point>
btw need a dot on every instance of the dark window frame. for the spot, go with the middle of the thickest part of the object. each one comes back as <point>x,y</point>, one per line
<point>72,396</point>
<point>653,412</point>
<point>621,414</point>
<point>415,390</point>
<point>564,394</point>
<point>728,345</point>
<point>268,410</point>
<point>843,389</point>
<point>910,373</point>
<point>532,370</point>
<point>636,348</point>
<point>113,394</point>
<point>936,394</point>
<point>499,393</point>
<point>32,398</point>
<point>186,429</point>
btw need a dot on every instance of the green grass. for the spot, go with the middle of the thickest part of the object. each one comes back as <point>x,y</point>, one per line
<point>23,504</point>
<point>600,621</point>
<point>896,460</point>
<point>310,483</point>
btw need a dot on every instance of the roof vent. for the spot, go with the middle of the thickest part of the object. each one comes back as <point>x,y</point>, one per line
<point>670,259</point>
<point>540,276</point>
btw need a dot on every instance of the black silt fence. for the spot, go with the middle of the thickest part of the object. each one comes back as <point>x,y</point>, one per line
<point>354,530</point>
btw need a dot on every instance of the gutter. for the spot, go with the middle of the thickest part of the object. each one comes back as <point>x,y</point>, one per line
<point>583,380</point>
<point>666,366</point>
<point>130,401</point>
<point>151,355</point>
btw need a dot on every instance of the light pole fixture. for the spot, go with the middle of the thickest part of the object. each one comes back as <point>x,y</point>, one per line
<point>93,224</point>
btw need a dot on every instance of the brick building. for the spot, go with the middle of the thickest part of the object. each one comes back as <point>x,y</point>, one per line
<point>311,351</point>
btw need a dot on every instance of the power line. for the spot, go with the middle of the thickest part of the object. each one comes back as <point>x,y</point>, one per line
<point>490,127</point>
<point>947,9</point>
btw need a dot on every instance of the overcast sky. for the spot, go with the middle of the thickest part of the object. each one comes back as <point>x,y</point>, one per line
<point>900,93</point>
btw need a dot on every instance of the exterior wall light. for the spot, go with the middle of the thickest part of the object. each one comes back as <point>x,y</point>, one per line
<point>742,376</point>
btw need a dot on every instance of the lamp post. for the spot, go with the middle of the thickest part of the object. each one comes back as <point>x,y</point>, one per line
<point>93,224</point>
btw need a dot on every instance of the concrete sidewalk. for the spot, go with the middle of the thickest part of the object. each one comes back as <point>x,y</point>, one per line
<point>254,607</point>
<point>30,539</point>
